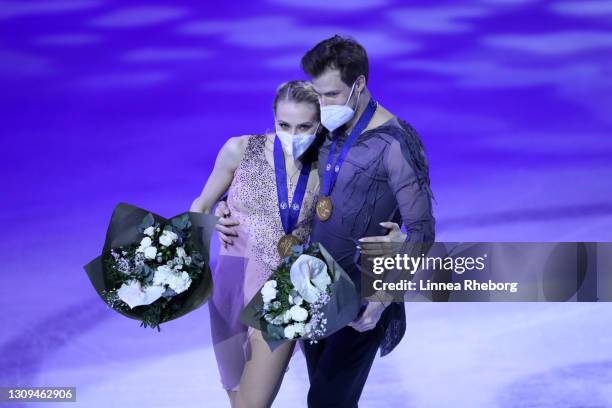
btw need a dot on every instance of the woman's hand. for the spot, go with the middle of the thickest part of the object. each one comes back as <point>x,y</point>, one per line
<point>225,225</point>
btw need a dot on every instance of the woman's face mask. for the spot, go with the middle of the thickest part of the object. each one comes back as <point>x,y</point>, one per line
<point>334,116</point>
<point>296,145</point>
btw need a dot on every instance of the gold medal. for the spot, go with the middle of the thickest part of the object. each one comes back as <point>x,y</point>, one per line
<point>286,243</point>
<point>324,208</point>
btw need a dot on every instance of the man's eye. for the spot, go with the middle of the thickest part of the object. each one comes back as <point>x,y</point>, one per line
<point>305,127</point>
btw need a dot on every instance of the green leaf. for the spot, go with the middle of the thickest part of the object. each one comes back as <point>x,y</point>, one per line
<point>180,222</point>
<point>147,221</point>
<point>275,331</point>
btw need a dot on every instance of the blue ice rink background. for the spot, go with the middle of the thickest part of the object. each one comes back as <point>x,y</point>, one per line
<point>107,101</point>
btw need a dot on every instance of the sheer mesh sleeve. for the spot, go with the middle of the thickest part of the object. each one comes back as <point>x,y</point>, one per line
<point>411,189</point>
<point>408,178</point>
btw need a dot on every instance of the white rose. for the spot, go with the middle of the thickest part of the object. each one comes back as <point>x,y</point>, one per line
<point>180,252</point>
<point>133,294</point>
<point>167,238</point>
<point>299,314</point>
<point>309,277</point>
<point>289,331</point>
<point>150,252</point>
<point>149,231</point>
<point>268,292</point>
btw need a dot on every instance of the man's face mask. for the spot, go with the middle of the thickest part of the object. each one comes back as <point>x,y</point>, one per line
<point>334,116</point>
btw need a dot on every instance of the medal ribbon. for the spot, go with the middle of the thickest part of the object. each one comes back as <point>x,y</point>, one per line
<point>331,169</point>
<point>289,212</point>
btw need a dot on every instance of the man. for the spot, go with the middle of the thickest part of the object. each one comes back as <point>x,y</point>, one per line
<point>383,179</point>
<point>373,175</point>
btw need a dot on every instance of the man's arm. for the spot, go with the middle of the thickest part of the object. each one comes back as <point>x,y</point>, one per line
<point>408,178</point>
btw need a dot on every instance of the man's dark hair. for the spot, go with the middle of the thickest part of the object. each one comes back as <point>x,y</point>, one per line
<point>343,54</point>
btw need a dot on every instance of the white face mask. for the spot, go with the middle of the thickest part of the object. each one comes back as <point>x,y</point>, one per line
<point>296,145</point>
<point>334,116</point>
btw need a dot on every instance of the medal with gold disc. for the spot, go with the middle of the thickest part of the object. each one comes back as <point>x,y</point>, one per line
<point>325,207</point>
<point>289,211</point>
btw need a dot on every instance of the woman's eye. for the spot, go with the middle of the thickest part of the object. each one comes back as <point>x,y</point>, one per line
<point>284,125</point>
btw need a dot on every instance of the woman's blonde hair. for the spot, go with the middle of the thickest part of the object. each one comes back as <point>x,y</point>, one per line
<point>297,91</point>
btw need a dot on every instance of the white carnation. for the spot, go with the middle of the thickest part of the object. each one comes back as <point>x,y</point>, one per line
<point>149,231</point>
<point>180,252</point>
<point>294,329</point>
<point>299,314</point>
<point>289,331</point>
<point>144,244</point>
<point>300,329</point>
<point>268,292</point>
<point>167,238</point>
<point>150,252</point>
<point>179,282</point>
<point>162,275</point>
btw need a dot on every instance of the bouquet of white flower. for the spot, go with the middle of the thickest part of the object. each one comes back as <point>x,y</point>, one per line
<point>153,269</point>
<point>308,296</point>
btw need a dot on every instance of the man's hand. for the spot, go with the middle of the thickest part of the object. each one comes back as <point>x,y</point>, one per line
<point>369,318</point>
<point>225,224</point>
<point>384,244</point>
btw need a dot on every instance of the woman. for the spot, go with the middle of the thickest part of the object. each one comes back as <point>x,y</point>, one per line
<point>272,187</point>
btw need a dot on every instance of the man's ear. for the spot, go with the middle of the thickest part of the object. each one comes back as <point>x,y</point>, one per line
<point>361,83</point>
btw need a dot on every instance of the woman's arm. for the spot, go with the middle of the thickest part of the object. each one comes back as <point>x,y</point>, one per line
<point>222,175</point>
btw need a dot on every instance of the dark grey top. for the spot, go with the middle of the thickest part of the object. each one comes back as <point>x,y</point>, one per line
<point>384,177</point>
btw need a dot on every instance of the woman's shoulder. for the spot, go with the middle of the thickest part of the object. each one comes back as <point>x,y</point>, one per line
<point>235,146</point>
<point>234,149</point>
<point>242,142</point>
